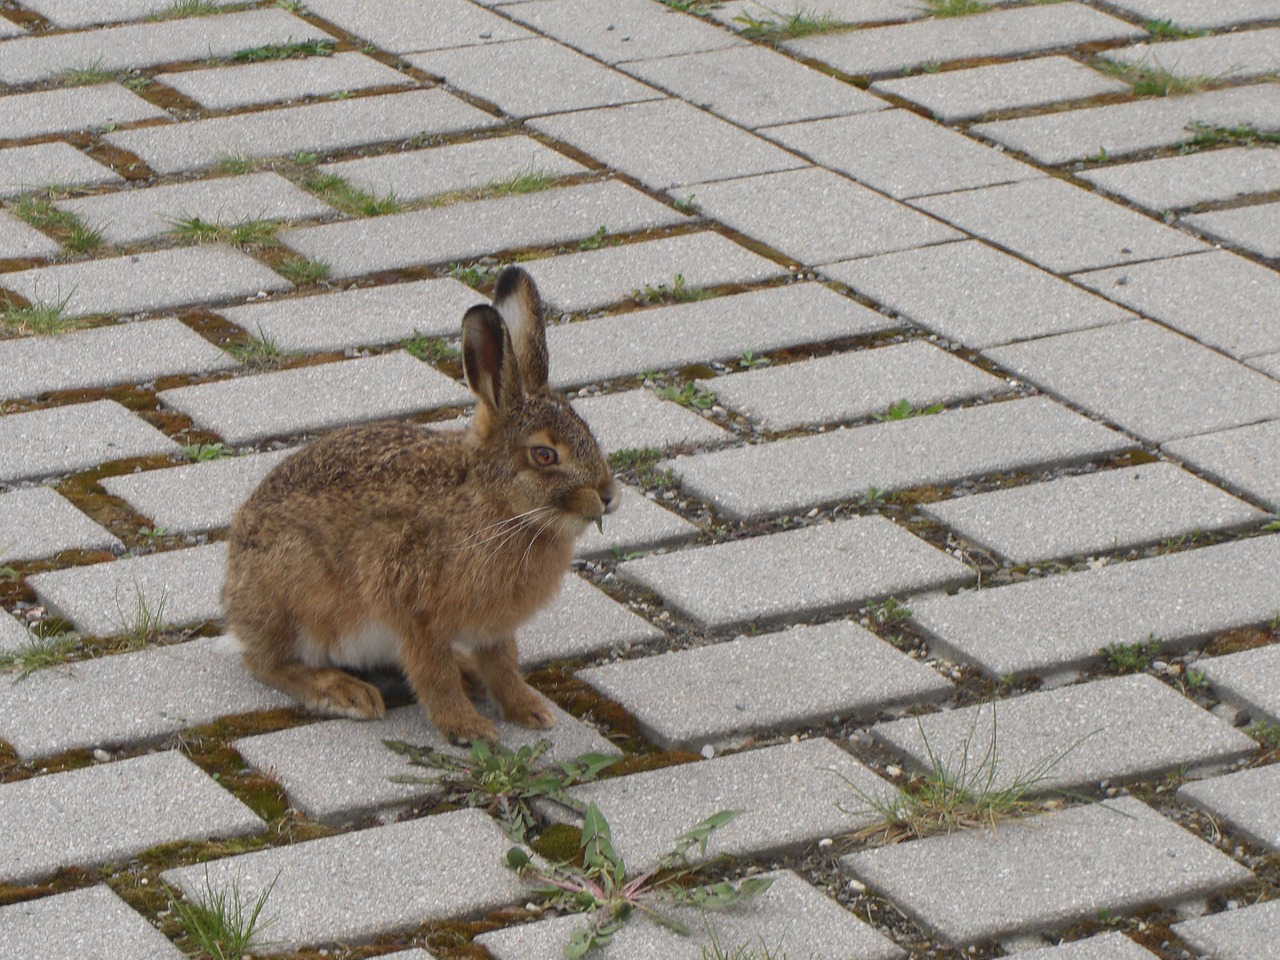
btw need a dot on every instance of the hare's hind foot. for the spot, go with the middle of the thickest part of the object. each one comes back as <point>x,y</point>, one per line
<point>520,703</point>
<point>323,690</point>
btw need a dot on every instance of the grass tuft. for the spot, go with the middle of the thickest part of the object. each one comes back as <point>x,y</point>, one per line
<point>527,181</point>
<point>338,193</point>
<point>1153,80</point>
<point>301,271</point>
<point>38,652</point>
<point>1122,658</point>
<point>235,165</point>
<point>955,8</point>
<point>284,51</point>
<point>676,292</point>
<point>245,233</point>
<point>185,8</point>
<point>38,210</point>
<point>221,923</point>
<point>699,8</point>
<point>641,466</point>
<point>260,351</point>
<point>1168,30</point>
<point>792,26</point>
<point>145,623</point>
<point>87,75</point>
<point>40,318</point>
<point>429,349</point>
<point>202,452</point>
<point>1205,136</point>
<point>688,395</point>
<point>905,410</point>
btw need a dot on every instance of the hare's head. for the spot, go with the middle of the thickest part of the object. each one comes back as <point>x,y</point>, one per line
<point>533,448</point>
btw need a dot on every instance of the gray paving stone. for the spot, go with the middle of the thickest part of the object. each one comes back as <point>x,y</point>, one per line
<point>1245,459</point>
<point>1045,872</point>
<point>498,73</point>
<point>790,914</point>
<point>974,294</point>
<point>1125,128</point>
<point>1242,800</point>
<point>1060,227</point>
<point>817,216</point>
<point>578,282</point>
<point>317,127</point>
<point>1249,678</point>
<point>1093,513</point>
<point>1255,228</point>
<point>881,50</point>
<point>1202,13</point>
<point>1146,378</point>
<point>10,29</point>
<point>154,281</point>
<point>19,241</point>
<point>1270,365</point>
<point>443,234</point>
<point>754,86</point>
<point>1104,946</point>
<point>88,13</point>
<point>965,94</point>
<point>1172,183</point>
<point>112,811</point>
<point>582,621</point>
<point>309,399</point>
<point>146,44</point>
<point>131,698</point>
<point>128,216</point>
<point>733,584</point>
<point>37,522</point>
<point>792,475</point>
<point>242,85</point>
<point>776,681</point>
<point>842,11</point>
<point>851,386</point>
<point>45,443</point>
<point>420,877</point>
<point>693,147</point>
<point>640,525</point>
<point>90,924</point>
<point>1070,739</point>
<point>13,633</point>
<point>101,356</point>
<point>1248,53</point>
<point>637,419</point>
<point>900,153</point>
<point>419,24</point>
<point>338,769</point>
<point>26,115</point>
<point>1249,933</point>
<point>1056,626</point>
<point>665,338</point>
<point>49,164</point>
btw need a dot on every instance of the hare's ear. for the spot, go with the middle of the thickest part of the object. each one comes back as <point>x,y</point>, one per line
<point>516,299</point>
<point>488,359</point>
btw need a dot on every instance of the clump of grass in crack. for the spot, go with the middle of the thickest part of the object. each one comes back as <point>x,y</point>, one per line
<point>185,8</point>
<point>1122,658</point>
<point>641,466</point>
<point>905,410</point>
<point>339,193</point>
<point>786,26</point>
<point>144,622</point>
<point>284,51</point>
<point>688,395</point>
<point>1266,733</point>
<point>759,950</point>
<point>1205,136</point>
<point>259,350</point>
<point>202,452</point>
<point>1153,80</point>
<point>955,8</point>
<point>43,318</point>
<point>235,165</point>
<point>245,233</point>
<point>527,181</point>
<point>87,75</point>
<point>473,274</point>
<point>429,349</point>
<point>39,211</point>
<point>699,8</point>
<point>39,651</point>
<point>678,291</point>
<point>223,923</point>
<point>302,271</point>
<point>595,241</point>
<point>1168,30</point>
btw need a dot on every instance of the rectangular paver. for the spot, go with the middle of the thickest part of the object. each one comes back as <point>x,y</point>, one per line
<point>1249,678</point>
<point>1245,459</point>
<point>49,164</point>
<point>21,241</point>
<point>641,524</point>
<point>69,110</point>
<point>87,13</point>
<point>37,522</point>
<point>1254,228</point>
<point>1243,801</point>
<point>89,924</point>
<point>13,633</point>
<point>1104,946</point>
<point>1172,183</point>
<point>636,419</point>
<point>582,621</point>
<point>1201,14</point>
<point>1247,53</point>
<point>841,11</point>
<point>419,24</point>
<point>1248,933</point>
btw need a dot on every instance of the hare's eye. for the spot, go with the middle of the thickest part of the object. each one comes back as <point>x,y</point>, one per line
<point>544,456</point>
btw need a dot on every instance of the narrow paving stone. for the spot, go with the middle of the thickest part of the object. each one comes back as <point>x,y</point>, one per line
<point>1070,739</point>
<point>154,281</point>
<point>69,110</point>
<point>87,13</point>
<point>1146,378</point>
<point>1255,228</point>
<point>900,153</point>
<point>309,399</point>
<point>242,85</point>
<point>582,621</point>
<point>694,147</point>
<point>974,294</point>
<point>1172,183</point>
<point>1249,678</point>
<point>38,523</point>
<point>636,419</point>
<point>1198,14</point>
<point>1058,625</point>
<point>477,229</point>
<point>1249,53</point>
<point>317,127</point>
<point>965,94</point>
<point>103,356</point>
<point>20,241</point>
<point>111,811</point>
<point>1270,365</point>
<point>792,475</point>
<point>730,585</point>
<point>1060,227</point>
<point>90,924</point>
<point>640,524</point>
<point>1220,299</point>
<point>1103,946</point>
<point>807,214</point>
<point>37,444</point>
<point>1243,801</point>
<point>777,681</point>
<point>131,698</point>
<point>1250,933</point>
<point>420,875</point>
<point>13,633</point>
<point>419,24</point>
<point>47,165</point>
<point>851,386</point>
<point>1245,459</point>
<point>1093,513</point>
<point>176,588</point>
<point>789,914</point>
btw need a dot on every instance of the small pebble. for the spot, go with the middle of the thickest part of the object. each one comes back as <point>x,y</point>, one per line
<point>708,751</point>
<point>101,755</point>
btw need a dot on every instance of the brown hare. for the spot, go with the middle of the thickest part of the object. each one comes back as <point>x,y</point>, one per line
<point>393,543</point>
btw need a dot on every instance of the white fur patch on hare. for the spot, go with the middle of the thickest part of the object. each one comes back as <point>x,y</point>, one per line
<point>373,645</point>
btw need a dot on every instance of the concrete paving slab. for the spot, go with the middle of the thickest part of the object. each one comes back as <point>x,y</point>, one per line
<point>1250,933</point>
<point>974,294</point>
<point>788,476</point>
<point>1057,626</point>
<point>69,110</point>
<point>1173,183</point>
<point>1249,678</point>
<point>45,443</point>
<point>112,811</point>
<point>1242,801</point>
<point>310,399</point>
<point>1021,84</point>
<point>1202,13</point>
<point>1060,227</point>
<point>10,29</point>
<point>695,146</point>
<point>1093,513</point>
<point>1248,53</point>
<point>47,165</point>
<point>104,356</point>
<point>636,419</point>
<point>13,633</point>
<point>777,681</point>
<point>729,585</point>
<point>37,522</point>
<point>851,386</point>
<point>1144,377</point>
<point>89,924</point>
<point>901,153</point>
<point>1220,299</point>
<point>419,24</point>
<point>316,127</point>
<point>478,229</point>
<point>1046,871</point>
<point>88,13</point>
<point>19,241</point>
<point>244,85</point>
<point>1246,459</point>
<point>131,698</point>
<point>641,525</point>
<point>817,216</point>
<point>1269,364</point>
<point>1255,228</point>
<point>420,875</point>
<point>1104,946</point>
<point>156,281</point>
<point>582,621</point>
<point>842,11</point>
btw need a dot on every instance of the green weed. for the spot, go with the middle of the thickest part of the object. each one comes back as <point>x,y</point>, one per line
<point>888,613</point>
<point>688,395</point>
<point>642,465</point>
<point>202,452</point>
<point>429,349</point>
<point>793,26</point>
<point>686,205</point>
<point>235,165</point>
<point>39,211</point>
<point>474,274</point>
<point>145,622</point>
<point>261,351</point>
<point>38,651</point>
<point>1168,30</point>
<point>1122,658</point>
<point>1206,136</point>
<point>302,271</point>
<point>595,241</point>
<point>1266,733</point>
<point>185,8</point>
<point>222,923</point>
<point>337,192</point>
<point>955,8</point>
<point>41,317</point>
<point>528,181</point>
<point>748,360</point>
<point>677,292</point>
<point>699,8</point>
<point>90,74</point>
<point>245,233</point>
<point>284,51</point>
<point>1153,80</point>
<point>905,410</point>
<point>873,497</point>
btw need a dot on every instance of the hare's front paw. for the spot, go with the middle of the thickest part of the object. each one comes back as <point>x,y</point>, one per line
<point>526,707</point>
<point>338,694</point>
<point>462,727</point>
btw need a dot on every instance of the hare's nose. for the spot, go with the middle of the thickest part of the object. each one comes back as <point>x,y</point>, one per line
<point>609,498</point>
